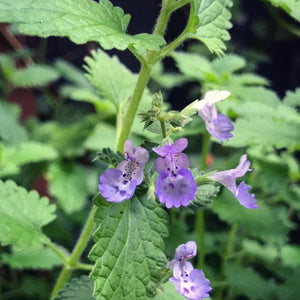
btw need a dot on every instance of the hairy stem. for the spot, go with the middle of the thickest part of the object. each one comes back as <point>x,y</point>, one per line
<point>72,262</point>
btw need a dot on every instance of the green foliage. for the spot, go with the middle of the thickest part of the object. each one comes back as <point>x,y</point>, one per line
<point>33,76</point>
<point>13,157</point>
<point>128,248</point>
<point>103,136</point>
<point>67,139</point>
<point>112,79</point>
<point>292,7</point>
<point>11,132</point>
<point>292,98</point>
<point>245,281</point>
<point>22,215</point>
<point>42,258</point>
<point>77,289</point>
<point>261,223</point>
<point>83,22</point>
<point>67,184</point>
<point>167,292</point>
<point>214,23</point>
<point>110,157</point>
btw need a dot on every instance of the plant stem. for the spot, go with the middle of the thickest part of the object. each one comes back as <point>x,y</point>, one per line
<point>76,253</point>
<point>226,255</point>
<point>163,128</point>
<point>200,227</point>
<point>61,255</point>
<point>133,106</point>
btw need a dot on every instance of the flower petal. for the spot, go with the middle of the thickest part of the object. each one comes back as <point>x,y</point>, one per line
<point>186,251</point>
<point>245,198</point>
<point>220,127</point>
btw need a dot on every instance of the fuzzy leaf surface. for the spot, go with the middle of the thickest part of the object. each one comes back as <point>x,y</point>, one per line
<point>22,215</point>
<point>77,289</point>
<point>214,22</point>
<point>81,21</point>
<point>128,248</point>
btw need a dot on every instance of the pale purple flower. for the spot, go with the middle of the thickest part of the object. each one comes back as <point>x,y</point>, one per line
<point>119,184</point>
<point>228,179</point>
<point>175,184</point>
<point>189,282</point>
<point>218,125</point>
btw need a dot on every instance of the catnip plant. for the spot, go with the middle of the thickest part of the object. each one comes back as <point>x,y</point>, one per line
<point>145,180</point>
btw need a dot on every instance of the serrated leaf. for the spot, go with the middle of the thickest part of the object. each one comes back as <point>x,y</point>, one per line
<point>112,79</point>
<point>22,215</point>
<point>77,289</point>
<point>248,79</point>
<point>291,7</point>
<point>214,23</point>
<point>261,223</point>
<point>264,130</point>
<point>245,281</point>
<point>13,157</point>
<point>67,184</point>
<point>33,76</point>
<point>81,21</point>
<point>42,258</point>
<point>11,130</point>
<point>128,248</point>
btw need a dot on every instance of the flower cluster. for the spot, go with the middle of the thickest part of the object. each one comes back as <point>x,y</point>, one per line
<point>175,184</point>
<point>117,185</point>
<point>189,282</point>
<point>218,125</point>
<point>228,179</point>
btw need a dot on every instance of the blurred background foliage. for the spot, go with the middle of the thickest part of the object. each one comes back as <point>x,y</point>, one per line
<point>58,109</point>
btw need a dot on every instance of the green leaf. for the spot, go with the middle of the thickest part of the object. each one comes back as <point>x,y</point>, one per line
<point>229,63</point>
<point>261,223</point>
<point>167,292</point>
<point>292,7</point>
<point>292,98</point>
<point>34,75</point>
<point>110,157</point>
<point>77,289</point>
<point>128,248</point>
<point>214,23</point>
<point>42,258</point>
<point>264,130</point>
<point>13,157</point>
<point>81,21</point>
<point>112,79</point>
<point>290,255</point>
<point>11,130</point>
<point>67,139</point>
<point>22,215</point>
<point>67,184</point>
<point>103,136</point>
<point>245,281</point>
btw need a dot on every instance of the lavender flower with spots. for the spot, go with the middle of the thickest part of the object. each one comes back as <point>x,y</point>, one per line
<point>241,192</point>
<point>117,185</point>
<point>189,282</point>
<point>218,125</point>
<point>175,184</point>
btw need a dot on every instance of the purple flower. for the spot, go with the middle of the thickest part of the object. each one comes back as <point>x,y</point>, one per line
<point>189,282</point>
<point>218,125</point>
<point>117,185</point>
<point>228,179</point>
<point>175,184</point>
